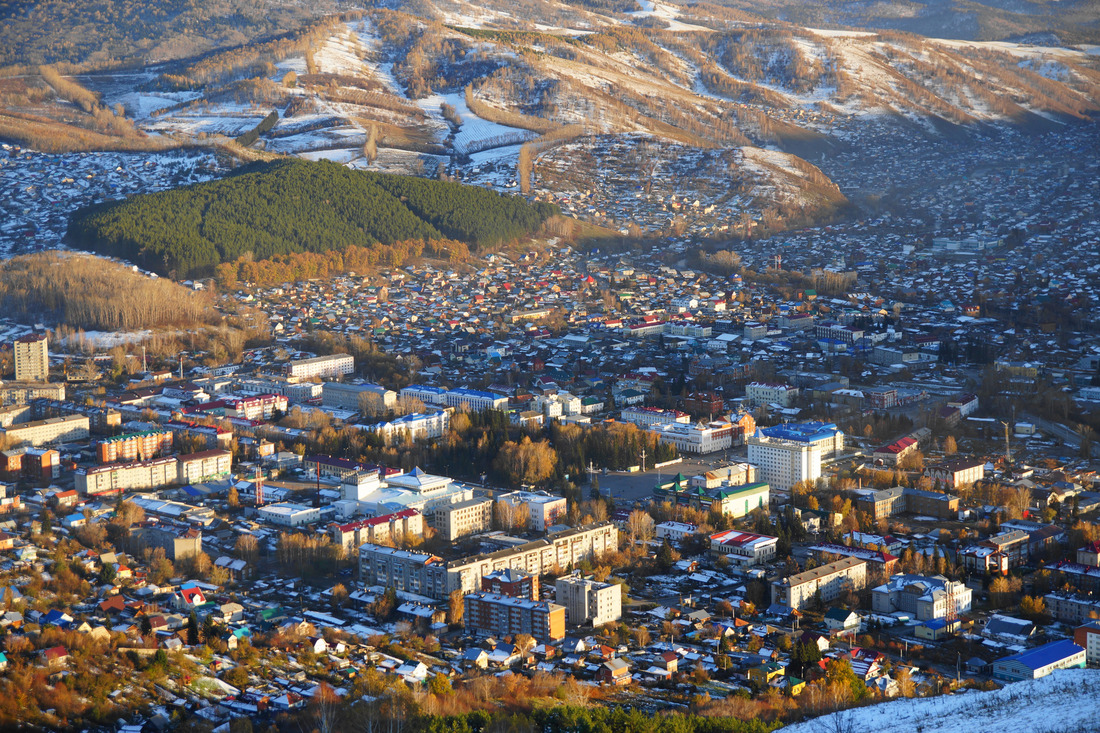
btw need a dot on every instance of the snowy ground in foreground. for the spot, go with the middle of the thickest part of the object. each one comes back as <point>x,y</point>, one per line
<point>1066,702</point>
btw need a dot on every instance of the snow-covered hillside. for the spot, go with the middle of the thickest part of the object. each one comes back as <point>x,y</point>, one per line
<point>1067,701</point>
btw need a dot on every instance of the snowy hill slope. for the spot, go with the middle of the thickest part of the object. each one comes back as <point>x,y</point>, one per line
<point>1066,702</point>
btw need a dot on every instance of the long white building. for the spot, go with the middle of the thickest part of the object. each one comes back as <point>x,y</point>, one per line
<point>119,477</point>
<point>430,575</point>
<point>695,438</point>
<point>417,426</point>
<point>830,581</point>
<point>644,417</point>
<point>333,365</point>
<point>470,399</point>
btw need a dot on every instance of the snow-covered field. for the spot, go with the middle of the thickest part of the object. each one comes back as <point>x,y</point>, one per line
<point>1067,701</point>
<point>667,13</point>
<point>475,134</point>
<point>110,339</point>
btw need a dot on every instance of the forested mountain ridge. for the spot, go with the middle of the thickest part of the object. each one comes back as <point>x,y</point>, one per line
<point>297,206</point>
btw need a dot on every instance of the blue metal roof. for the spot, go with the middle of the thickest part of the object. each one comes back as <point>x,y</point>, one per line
<point>806,432</point>
<point>1045,655</point>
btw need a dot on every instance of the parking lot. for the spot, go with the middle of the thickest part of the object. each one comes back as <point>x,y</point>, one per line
<point>627,488</point>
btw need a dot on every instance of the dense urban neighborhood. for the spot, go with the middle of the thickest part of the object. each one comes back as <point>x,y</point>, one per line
<point>598,366</point>
<point>611,476</point>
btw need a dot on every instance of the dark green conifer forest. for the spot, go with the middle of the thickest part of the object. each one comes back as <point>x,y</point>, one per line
<point>292,206</point>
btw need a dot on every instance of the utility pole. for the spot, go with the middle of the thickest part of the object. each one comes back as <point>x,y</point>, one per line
<point>1008,449</point>
<point>643,460</point>
<point>144,367</point>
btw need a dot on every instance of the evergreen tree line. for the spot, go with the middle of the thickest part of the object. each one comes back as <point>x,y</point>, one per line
<point>294,206</point>
<point>576,719</point>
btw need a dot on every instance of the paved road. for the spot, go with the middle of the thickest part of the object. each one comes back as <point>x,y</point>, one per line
<point>1067,435</point>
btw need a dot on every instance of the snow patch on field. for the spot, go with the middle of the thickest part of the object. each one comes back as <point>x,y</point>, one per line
<point>342,156</point>
<point>475,133</point>
<point>667,13</point>
<point>340,55</point>
<point>111,339</point>
<point>1064,702</point>
<point>838,33</point>
<point>1016,49</point>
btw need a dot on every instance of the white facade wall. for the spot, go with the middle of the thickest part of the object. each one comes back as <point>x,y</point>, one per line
<point>782,463</point>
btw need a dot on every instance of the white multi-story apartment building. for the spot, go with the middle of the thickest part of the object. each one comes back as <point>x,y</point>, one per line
<point>32,358</point>
<point>645,417</point>
<point>463,518</point>
<point>429,575</point>
<point>332,365</point>
<point>832,580</point>
<point>783,463</point>
<point>927,598</point>
<point>206,465</point>
<point>417,426</point>
<point>50,430</point>
<point>766,393</point>
<point>588,601</point>
<point>688,438</point>
<point>120,477</point>
<point>545,510</point>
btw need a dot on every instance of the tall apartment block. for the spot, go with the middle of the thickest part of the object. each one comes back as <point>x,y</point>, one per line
<point>32,358</point>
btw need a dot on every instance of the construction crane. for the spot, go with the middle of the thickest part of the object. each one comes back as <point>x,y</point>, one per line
<point>259,488</point>
<point>1008,448</point>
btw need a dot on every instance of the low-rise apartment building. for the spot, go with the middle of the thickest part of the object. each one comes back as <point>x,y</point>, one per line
<point>134,446</point>
<point>430,575</point>
<point>831,581</point>
<point>121,477</point>
<point>51,430</point>
<point>588,601</point>
<point>927,598</point>
<point>497,615</point>
<point>331,366</point>
<point>956,473</point>
<point>511,582</point>
<point>207,465</point>
<point>766,393</point>
<point>354,396</point>
<point>544,510</point>
<point>463,518</point>
<point>378,530</point>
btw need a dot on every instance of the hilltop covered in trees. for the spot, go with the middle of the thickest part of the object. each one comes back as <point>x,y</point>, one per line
<point>293,206</point>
